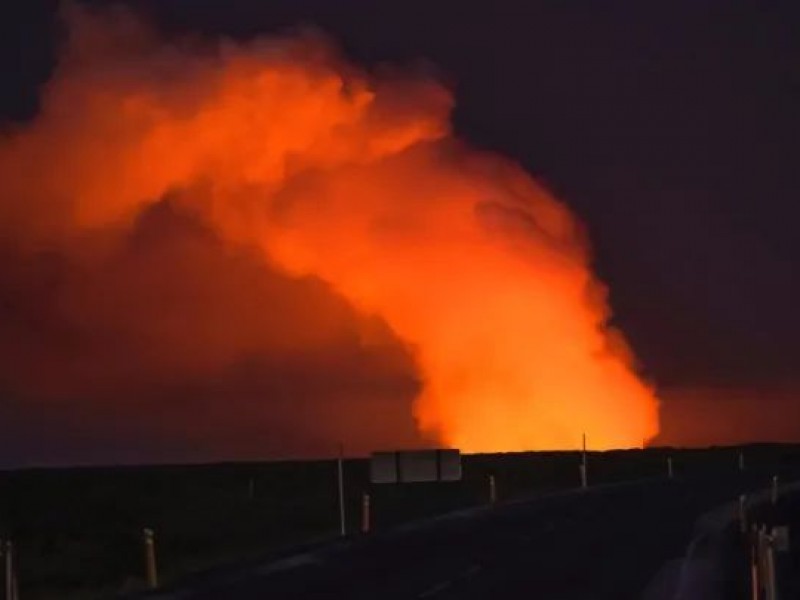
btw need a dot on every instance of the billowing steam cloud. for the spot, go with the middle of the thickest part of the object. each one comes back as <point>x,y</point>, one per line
<point>280,146</point>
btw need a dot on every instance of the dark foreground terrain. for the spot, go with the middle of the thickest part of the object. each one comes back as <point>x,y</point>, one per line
<point>78,531</point>
<point>608,542</point>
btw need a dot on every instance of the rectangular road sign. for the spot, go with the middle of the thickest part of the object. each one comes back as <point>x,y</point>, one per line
<point>449,465</point>
<point>418,465</point>
<point>413,466</point>
<point>383,467</point>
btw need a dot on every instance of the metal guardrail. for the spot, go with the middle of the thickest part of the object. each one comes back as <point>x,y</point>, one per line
<point>699,577</point>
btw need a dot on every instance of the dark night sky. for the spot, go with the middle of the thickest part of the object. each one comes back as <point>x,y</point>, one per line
<point>671,128</point>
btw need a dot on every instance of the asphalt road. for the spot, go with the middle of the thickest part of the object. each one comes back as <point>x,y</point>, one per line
<point>607,542</point>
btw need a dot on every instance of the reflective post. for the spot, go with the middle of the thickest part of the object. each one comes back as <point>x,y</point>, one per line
<point>743,513</point>
<point>583,469</point>
<point>761,562</point>
<point>150,558</point>
<point>771,584</point>
<point>754,582</point>
<point>8,553</point>
<point>365,521</point>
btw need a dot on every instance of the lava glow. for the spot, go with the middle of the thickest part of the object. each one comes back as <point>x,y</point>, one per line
<point>354,179</point>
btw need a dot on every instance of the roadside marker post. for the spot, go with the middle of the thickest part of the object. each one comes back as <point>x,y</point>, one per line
<point>340,471</point>
<point>6,579</point>
<point>365,508</point>
<point>774,490</point>
<point>492,490</point>
<point>768,546</point>
<point>150,558</point>
<point>743,513</point>
<point>763,561</point>
<point>7,552</point>
<point>583,466</point>
<point>760,562</point>
<point>670,473</point>
<point>741,460</point>
<point>754,578</point>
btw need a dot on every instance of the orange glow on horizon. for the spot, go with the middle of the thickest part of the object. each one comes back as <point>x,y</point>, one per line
<point>280,145</point>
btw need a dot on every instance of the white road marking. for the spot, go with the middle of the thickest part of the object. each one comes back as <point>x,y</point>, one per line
<point>292,562</point>
<point>439,587</point>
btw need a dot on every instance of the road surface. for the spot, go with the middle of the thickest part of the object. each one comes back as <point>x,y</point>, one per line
<point>607,542</point>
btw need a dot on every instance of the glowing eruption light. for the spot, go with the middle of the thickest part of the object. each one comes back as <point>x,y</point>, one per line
<point>354,179</point>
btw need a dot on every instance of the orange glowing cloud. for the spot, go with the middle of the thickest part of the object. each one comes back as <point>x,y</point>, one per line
<point>279,145</point>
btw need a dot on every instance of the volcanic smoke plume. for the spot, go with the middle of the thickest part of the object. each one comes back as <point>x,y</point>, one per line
<point>332,175</point>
